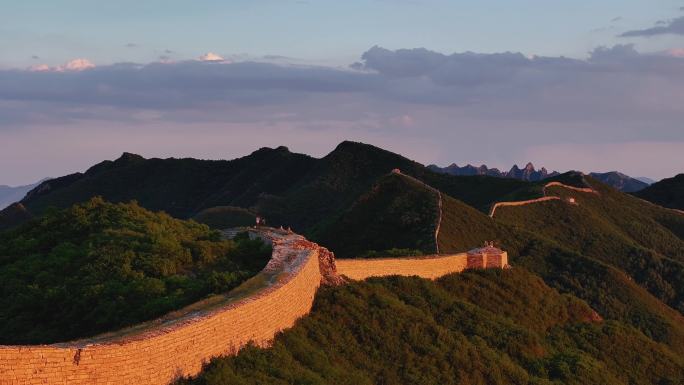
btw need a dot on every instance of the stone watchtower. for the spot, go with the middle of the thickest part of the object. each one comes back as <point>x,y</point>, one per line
<point>487,257</point>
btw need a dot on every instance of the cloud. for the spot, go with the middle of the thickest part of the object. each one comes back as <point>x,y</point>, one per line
<point>611,79</point>
<point>675,52</point>
<point>70,66</point>
<point>502,101</point>
<point>675,27</point>
<point>77,65</point>
<point>39,68</point>
<point>210,56</point>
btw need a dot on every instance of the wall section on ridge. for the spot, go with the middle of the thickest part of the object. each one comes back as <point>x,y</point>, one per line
<point>430,267</point>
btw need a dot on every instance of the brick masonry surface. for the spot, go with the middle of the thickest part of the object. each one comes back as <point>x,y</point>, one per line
<point>430,267</point>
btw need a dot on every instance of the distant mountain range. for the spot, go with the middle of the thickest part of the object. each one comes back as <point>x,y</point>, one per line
<point>614,179</point>
<point>9,195</point>
<point>529,173</point>
<point>620,181</point>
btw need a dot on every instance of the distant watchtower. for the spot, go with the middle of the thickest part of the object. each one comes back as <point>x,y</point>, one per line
<point>260,221</point>
<point>487,256</point>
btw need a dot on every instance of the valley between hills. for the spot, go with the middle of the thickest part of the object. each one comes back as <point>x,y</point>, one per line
<point>594,293</point>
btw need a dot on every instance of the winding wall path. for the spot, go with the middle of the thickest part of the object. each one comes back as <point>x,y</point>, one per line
<point>164,350</point>
<point>158,352</point>
<point>545,198</point>
<point>430,267</point>
<point>438,193</point>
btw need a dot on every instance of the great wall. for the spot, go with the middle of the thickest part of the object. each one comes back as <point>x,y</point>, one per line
<point>160,351</point>
<point>545,198</point>
<point>438,222</point>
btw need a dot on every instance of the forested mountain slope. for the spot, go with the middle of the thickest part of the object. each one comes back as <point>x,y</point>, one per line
<point>493,327</point>
<point>97,267</point>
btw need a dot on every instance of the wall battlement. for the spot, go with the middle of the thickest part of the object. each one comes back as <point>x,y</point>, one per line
<point>158,352</point>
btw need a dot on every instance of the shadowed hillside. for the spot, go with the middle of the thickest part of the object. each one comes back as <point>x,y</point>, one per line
<point>620,181</point>
<point>180,187</point>
<point>667,193</point>
<point>13,214</point>
<point>224,217</point>
<point>397,213</point>
<point>288,189</point>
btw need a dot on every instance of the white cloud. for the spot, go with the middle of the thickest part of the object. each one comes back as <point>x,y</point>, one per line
<point>72,65</point>
<point>77,65</point>
<point>210,56</point>
<point>39,68</point>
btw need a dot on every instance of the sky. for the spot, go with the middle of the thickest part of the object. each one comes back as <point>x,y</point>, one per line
<point>586,85</point>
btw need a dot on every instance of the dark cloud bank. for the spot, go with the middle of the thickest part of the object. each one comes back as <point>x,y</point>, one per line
<point>675,27</point>
<point>612,82</point>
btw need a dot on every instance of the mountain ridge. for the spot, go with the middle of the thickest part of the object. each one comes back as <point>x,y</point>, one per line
<point>668,192</point>
<point>529,173</point>
<point>12,194</point>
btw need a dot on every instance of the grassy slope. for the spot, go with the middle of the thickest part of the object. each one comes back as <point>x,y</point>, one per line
<point>494,327</point>
<point>667,193</point>
<point>397,212</point>
<point>99,266</point>
<point>463,227</point>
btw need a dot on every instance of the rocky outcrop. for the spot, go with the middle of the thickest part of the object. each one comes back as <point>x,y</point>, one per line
<point>328,268</point>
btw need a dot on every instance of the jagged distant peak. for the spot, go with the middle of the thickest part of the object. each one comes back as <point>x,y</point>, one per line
<point>529,172</point>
